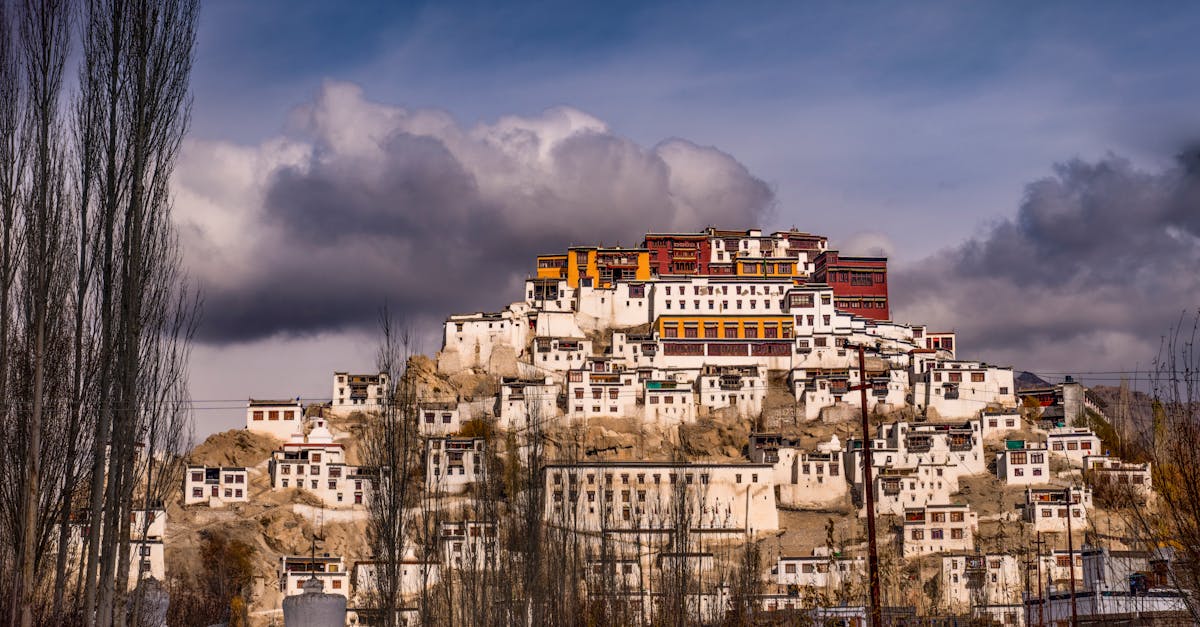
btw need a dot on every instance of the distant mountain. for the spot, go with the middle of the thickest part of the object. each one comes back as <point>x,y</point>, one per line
<point>1028,380</point>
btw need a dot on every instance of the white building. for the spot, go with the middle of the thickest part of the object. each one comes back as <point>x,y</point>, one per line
<point>1119,478</point>
<point>1047,508</point>
<point>414,575</point>
<point>728,498</point>
<point>971,581</point>
<point>905,445</point>
<point>961,389</point>
<point>938,529</point>
<point>1073,443</point>
<point>147,557</point>
<point>560,354</point>
<point>294,570</point>
<point>216,486</point>
<point>468,544</point>
<point>999,423</point>
<point>358,392</point>
<point>316,464</point>
<point>1119,587</point>
<point>668,403</point>
<point>439,418</point>
<point>523,399</point>
<point>819,572</point>
<point>742,387</point>
<point>603,388</point>
<point>1023,463</point>
<point>810,478</point>
<point>275,418</point>
<point>900,489</point>
<point>471,340</point>
<point>452,465</point>
<point>1054,567</point>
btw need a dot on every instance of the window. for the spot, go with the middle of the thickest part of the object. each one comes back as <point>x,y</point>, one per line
<point>918,534</point>
<point>936,534</point>
<point>258,415</point>
<point>956,534</point>
<point>956,516</point>
<point>976,377</point>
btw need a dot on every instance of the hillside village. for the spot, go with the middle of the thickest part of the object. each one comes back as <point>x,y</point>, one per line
<point>684,405</point>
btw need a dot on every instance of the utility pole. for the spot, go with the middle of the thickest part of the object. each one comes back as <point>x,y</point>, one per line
<point>1041,595</point>
<point>1071,558</point>
<point>869,494</point>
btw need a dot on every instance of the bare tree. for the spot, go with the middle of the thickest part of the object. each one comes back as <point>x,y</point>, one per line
<point>1171,521</point>
<point>390,447</point>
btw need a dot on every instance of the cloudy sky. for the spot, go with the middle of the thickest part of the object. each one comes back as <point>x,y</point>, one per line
<point>1031,169</point>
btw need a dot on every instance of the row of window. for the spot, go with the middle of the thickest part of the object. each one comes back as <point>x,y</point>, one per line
<point>335,472</point>
<point>274,414</point>
<point>956,377</point>
<point>956,533</point>
<point>749,330</point>
<point>198,493</point>
<point>557,478</point>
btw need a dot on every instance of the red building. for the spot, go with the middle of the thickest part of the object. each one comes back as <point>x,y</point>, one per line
<point>859,283</point>
<point>678,253</point>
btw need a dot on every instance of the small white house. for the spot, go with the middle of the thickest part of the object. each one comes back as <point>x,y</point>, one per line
<point>274,417</point>
<point>810,478</point>
<point>901,489</point>
<point>560,354</point>
<point>147,556</point>
<point>1073,443</point>
<point>742,387</point>
<point>524,399</point>
<point>957,444</point>
<point>938,529</point>
<point>961,389</point>
<point>317,465</point>
<point>603,388</point>
<point>971,581</point>
<point>819,572</point>
<point>216,486</point>
<point>668,403</point>
<point>294,570</point>
<point>1118,477</point>
<point>439,418</point>
<point>452,465</point>
<point>415,575</point>
<point>1023,463</point>
<point>1047,508</point>
<point>998,423</point>
<point>468,544</point>
<point>358,392</point>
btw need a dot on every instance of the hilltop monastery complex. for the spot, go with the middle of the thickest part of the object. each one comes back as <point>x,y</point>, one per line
<point>762,331</point>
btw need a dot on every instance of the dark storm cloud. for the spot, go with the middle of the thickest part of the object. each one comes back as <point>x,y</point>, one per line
<point>1099,261</point>
<point>378,204</point>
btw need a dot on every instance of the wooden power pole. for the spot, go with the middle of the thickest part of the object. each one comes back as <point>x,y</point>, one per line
<point>868,493</point>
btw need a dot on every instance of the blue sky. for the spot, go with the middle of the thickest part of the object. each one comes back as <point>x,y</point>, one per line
<point>911,128</point>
